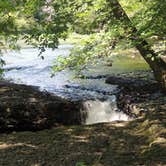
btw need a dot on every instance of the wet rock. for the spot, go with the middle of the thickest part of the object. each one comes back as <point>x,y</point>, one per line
<point>92,89</point>
<point>127,81</point>
<point>136,89</point>
<point>94,77</point>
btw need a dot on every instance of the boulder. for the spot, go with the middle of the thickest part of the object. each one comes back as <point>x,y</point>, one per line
<point>26,108</point>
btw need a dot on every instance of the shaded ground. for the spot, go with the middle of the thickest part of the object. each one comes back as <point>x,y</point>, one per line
<point>139,142</point>
<point>26,108</point>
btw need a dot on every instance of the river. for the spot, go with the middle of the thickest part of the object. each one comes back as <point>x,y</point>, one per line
<point>26,67</point>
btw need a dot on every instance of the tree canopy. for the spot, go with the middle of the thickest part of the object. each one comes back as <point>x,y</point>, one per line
<point>42,23</point>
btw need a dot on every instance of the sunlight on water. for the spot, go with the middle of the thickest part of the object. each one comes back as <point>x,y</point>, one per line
<point>103,111</point>
<point>25,67</point>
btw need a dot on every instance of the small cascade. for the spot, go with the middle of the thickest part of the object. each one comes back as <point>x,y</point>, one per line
<point>99,99</point>
<point>103,111</point>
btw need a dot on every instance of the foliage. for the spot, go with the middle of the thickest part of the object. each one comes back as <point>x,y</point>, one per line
<point>90,51</point>
<point>89,16</point>
<point>42,23</point>
<point>147,16</point>
<point>51,20</point>
<point>150,19</point>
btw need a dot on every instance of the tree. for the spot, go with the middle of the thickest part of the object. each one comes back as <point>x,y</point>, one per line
<point>156,63</point>
<point>38,22</point>
<point>47,21</point>
<point>116,17</point>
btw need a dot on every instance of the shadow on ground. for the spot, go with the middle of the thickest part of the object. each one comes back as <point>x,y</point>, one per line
<point>139,142</point>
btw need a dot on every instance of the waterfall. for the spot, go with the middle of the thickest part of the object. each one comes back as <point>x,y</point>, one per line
<point>25,67</point>
<point>103,111</point>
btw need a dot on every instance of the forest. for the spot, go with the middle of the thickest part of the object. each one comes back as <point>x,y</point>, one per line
<point>82,82</point>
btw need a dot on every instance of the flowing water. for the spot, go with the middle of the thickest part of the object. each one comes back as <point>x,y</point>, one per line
<point>99,100</point>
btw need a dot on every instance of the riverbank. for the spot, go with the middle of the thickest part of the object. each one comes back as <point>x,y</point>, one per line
<point>137,91</point>
<point>25,107</point>
<point>138,142</point>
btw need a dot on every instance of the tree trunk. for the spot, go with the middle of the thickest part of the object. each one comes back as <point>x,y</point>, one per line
<point>156,63</point>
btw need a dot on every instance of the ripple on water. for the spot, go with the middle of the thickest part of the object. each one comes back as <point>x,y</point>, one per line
<point>99,101</point>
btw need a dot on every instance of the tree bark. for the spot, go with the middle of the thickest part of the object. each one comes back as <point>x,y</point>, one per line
<point>156,63</point>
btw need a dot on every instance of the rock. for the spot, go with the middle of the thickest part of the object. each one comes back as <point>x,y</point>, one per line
<point>26,108</point>
<point>117,80</point>
<point>95,76</point>
<point>136,89</point>
<point>127,81</point>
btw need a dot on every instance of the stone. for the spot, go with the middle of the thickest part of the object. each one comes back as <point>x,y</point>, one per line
<point>26,108</point>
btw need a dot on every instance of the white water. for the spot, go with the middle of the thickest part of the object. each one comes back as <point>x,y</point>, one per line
<point>25,67</point>
<point>103,111</point>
